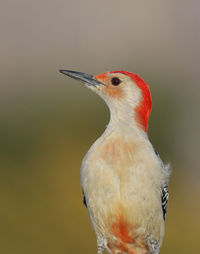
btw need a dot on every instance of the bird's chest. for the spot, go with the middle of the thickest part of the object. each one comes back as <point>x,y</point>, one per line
<point>116,169</point>
<point>106,162</point>
<point>108,168</point>
<point>113,175</point>
<point>117,153</point>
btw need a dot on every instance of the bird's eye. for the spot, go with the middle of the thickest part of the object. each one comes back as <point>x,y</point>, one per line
<point>115,81</point>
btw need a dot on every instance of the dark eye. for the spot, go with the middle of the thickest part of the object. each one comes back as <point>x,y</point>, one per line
<point>115,81</point>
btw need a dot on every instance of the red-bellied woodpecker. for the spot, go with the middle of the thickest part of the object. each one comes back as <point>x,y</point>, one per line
<point>123,179</point>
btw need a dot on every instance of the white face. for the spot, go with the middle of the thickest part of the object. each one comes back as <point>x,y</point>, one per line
<point>119,91</point>
<point>121,94</point>
<point>127,95</point>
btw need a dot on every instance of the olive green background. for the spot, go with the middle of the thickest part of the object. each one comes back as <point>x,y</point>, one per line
<point>48,121</point>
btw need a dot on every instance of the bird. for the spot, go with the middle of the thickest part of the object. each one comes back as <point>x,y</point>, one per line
<point>123,179</point>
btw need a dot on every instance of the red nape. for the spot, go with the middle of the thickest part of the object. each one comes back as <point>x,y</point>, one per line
<point>144,109</point>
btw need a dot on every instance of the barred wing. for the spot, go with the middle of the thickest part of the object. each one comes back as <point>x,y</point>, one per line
<point>164,199</point>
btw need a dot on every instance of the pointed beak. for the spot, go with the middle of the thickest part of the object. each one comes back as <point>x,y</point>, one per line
<point>83,77</point>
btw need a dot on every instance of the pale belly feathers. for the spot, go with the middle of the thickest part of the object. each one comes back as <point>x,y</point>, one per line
<point>116,189</point>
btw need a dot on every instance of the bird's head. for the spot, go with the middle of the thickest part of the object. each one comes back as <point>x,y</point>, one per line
<point>126,94</point>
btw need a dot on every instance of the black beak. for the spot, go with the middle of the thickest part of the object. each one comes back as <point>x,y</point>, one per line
<point>83,77</point>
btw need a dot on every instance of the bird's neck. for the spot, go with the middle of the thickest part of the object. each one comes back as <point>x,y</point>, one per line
<point>120,143</point>
<point>125,122</point>
<point>126,127</point>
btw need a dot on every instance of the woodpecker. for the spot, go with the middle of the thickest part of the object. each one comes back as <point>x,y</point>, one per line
<point>123,179</point>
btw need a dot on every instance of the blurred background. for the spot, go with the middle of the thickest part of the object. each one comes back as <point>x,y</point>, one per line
<point>49,121</point>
